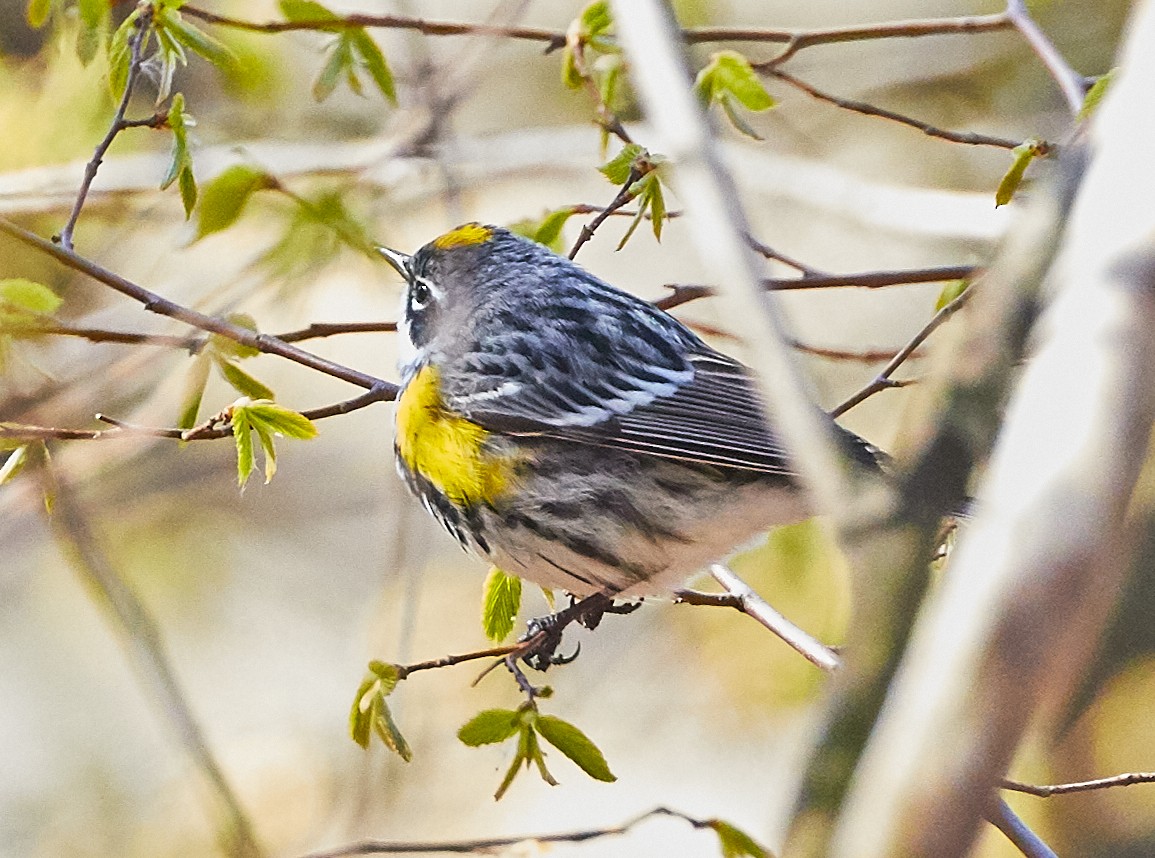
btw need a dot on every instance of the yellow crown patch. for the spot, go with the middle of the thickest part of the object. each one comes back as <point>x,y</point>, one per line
<point>466,235</point>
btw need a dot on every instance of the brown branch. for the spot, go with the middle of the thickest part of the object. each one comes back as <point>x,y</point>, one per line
<point>490,844</point>
<point>404,670</point>
<point>966,137</point>
<point>797,40</point>
<point>875,279</point>
<point>770,253</point>
<point>883,380</point>
<point>1047,790</point>
<point>1071,84</point>
<point>142,26</point>
<point>553,39</point>
<point>624,196</point>
<point>154,303</point>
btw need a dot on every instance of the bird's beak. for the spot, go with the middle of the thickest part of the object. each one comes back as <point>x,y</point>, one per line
<point>399,260</point>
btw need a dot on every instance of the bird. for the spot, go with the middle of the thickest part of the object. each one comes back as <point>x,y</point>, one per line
<point>573,434</point>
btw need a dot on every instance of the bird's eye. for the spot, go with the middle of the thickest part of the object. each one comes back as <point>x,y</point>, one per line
<point>419,296</point>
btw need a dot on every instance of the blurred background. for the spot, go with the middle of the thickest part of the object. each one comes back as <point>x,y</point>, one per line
<point>271,601</point>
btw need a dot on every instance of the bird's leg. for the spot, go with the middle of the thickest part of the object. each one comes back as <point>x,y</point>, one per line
<point>548,630</point>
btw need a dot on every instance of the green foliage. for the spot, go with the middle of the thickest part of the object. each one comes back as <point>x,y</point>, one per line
<point>352,49</point>
<point>265,419</point>
<point>93,16</point>
<point>14,464</point>
<point>642,171</point>
<point>1095,95</point>
<point>22,299</point>
<point>37,12</point>
<point>23,303</point>
<point>728,80</point>
<point>24,455</point>
<point>225,354</point>
<point>1023,154</point>
<point>224,198</point>
<point>591,29</point>
<point>370,713</point>
<point>949,292</point>
<point>498,725</point>
<point>736,843</point>
<point>181,168</point>
<point>194,390</point>
<point>502,602</point>
<point>546,230</point>
<point>317,228</point>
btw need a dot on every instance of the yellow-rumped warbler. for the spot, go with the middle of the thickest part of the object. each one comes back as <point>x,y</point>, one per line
<point>573,434</point>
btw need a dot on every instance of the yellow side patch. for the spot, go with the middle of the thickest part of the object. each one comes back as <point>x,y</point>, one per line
<point>466,235</point>
<point>444,448</point>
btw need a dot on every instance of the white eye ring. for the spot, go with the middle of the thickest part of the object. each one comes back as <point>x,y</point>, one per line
<point>421,294</point>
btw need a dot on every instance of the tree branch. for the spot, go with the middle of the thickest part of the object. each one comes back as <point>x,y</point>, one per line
<point>1072,85</point>
<point>1048,790</point>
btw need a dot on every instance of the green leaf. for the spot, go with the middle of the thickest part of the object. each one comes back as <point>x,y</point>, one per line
<point>27,296</point>
<point>490,727</point>
<point>360,719</point>
<point>501,604</point>
<point>736,119</point>
<point>730,74</point>
<point>389,674</point>
<point>305,10</point>
<point>657,205</point>
<point>195,39</point>
<point>194,390</point>
<point>571,75</point>
<point>949,292</point>
<point>596,19</point>
<point>1095,95</point>
<point>14,464</point>
<point>120,54</point>
<point>243,436</point>
<point>576,745</point>
<point>736,843</point>
<point>511,773</point>
<point>36,12</point>
<point>1024,153</point>
<point>181,166</point>
<point>340,62</point>
<point>224,198</point>
<point>241,381</point>
<point>386,729</point>
<point>228,347</point>
<point>93,19</point>
<point>532,753</point>
<point>281,421</point>
<point>374,62</point>
<point>618,168</point>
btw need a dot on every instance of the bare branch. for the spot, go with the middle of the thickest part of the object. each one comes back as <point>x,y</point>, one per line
<point>624,196</point>
<point>740,596</point>
<point>1026,841</point>
<point>1071,84</point>
<point>1048,790</point>
<point>490,844</point>
<point>966,137</point>
<point>875,279</point>
<point>883,380</point>
<point>162,306</point>
<point>142,25</point>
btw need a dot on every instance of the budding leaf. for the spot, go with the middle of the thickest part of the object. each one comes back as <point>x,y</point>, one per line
<point>618,168</point>
<point>1024,153</point>
<point>576,745</point>
<point>224,198</point>
<point>728,79</point>
<point>501,604</point>
<point>949,292</point>
<point>23,297</point>
<point>490,727</point>
<point>181,167</point>
<point>736,843</point>
<point>1095,95</point>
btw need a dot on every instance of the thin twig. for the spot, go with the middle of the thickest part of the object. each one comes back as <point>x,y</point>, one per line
<point>1071,84</point>
<point>883,380</point>
<point>1047,790</point>
<point>1026,841</point>
<point>146,648</point>
<point>740,596</point>
<point>969,138</point>
<point>624,196</point>
<point>405,670</point>
<point>770,253</point>
<point>490,844</point>
<point>142,25</point>
<point>154,303</point>
<point>874,279</point>
<point>554,39</point>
